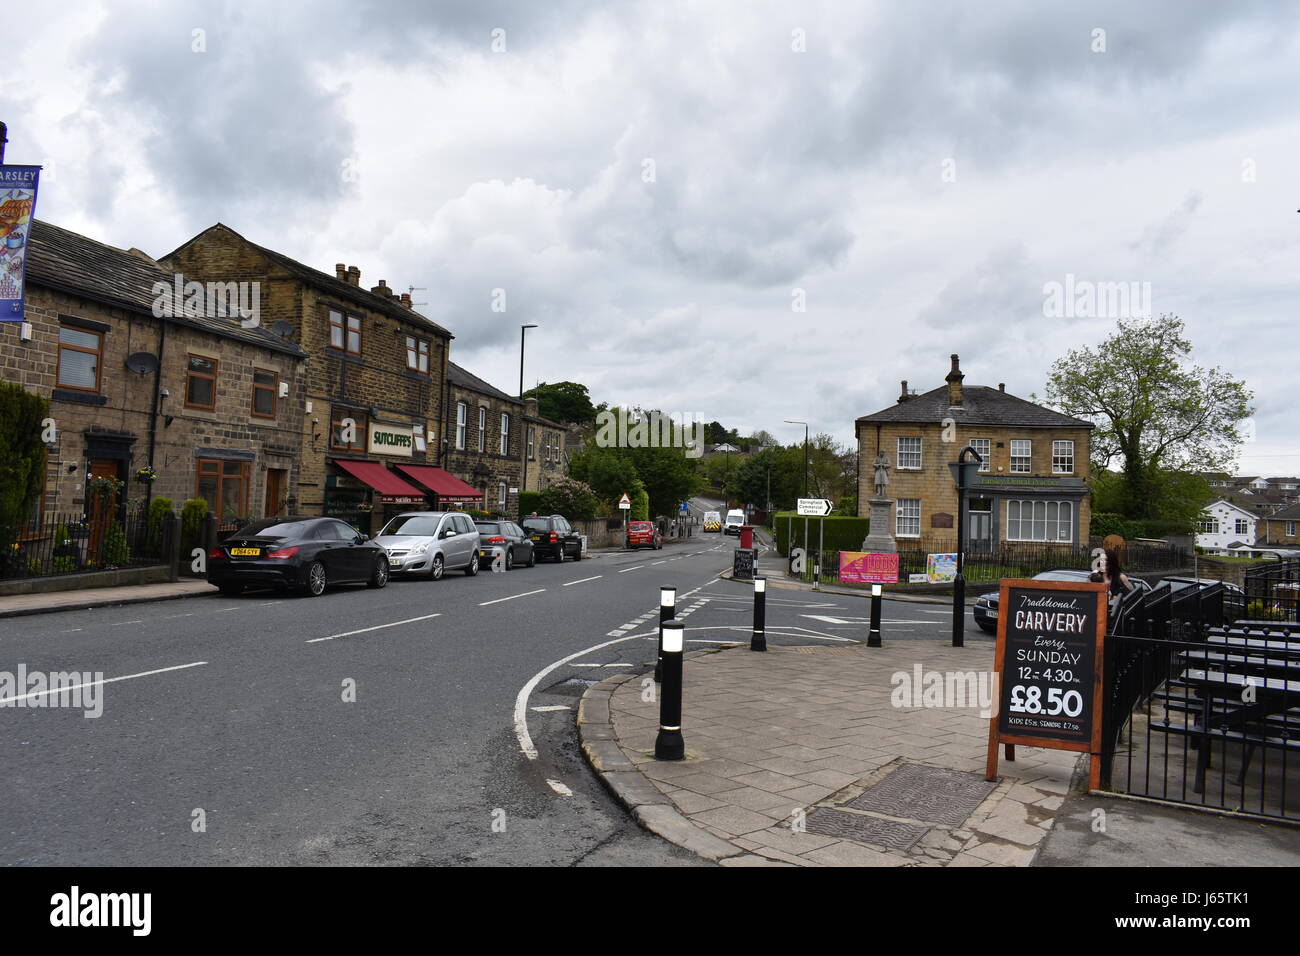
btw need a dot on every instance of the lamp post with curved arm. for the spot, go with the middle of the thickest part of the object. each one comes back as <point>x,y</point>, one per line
<point>963,472</point>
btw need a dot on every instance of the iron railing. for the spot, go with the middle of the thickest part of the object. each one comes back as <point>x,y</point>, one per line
<point>56,544</point>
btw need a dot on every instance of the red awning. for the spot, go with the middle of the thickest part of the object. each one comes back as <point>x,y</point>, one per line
<point>379,478</point>
<point>442,482</point>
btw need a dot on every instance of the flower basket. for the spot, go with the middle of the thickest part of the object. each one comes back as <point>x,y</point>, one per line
<point>146,475</point>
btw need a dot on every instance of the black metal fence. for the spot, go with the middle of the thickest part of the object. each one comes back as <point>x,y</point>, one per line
<point>58,544</point>
<point>1203,698</point>
<point>1009,561</point>
<point>1272,592</point>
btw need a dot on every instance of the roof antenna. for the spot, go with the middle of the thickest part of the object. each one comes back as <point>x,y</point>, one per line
<point>416,288</point>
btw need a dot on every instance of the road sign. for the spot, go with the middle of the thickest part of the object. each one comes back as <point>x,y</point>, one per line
<point>815,507</point>
<point>683,508</point>
<point>625,502</point>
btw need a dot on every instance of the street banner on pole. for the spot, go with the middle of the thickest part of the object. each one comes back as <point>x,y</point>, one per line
<point>17,211</point>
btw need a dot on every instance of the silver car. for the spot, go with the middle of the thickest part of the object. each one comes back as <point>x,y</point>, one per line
<point>430,543</point>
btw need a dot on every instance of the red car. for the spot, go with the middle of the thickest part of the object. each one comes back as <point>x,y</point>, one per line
<point>644,534</point>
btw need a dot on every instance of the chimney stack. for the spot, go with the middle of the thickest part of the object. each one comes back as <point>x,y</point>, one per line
<point>954,383</point>
<point>406,299</point>
<point>340,272</point>
<point>354,275</point>
<point>1002,386</point>
<point>903,395</point>
<point>382,289</point>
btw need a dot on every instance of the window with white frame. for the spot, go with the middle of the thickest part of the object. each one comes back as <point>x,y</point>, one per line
<point>1241,526</point>
<point>908,524</point>
<point>1207,525</point>
<point>482,428</point>
<point>1062,457</point>
<point>1040,521</point>
<point>501,494</point>
<point>909,452</point>
<point>504,446</point>
<point>984,447</point>
<point>462,412</point>
<point>1290,529</point>
<point>531,436</point>
<point>1022,456</point>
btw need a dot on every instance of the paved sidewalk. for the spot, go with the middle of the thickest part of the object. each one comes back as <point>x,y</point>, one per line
<point>781,746</point>
<point>20,604</point>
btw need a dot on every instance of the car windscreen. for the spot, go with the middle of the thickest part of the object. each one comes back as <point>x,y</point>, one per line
<point>416,525</point>
<point>487,527</point>
<point>639,526</point>
<point>537,524</point>
<point>271,529</point>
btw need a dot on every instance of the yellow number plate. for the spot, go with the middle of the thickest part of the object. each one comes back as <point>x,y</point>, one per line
<point>245,552</point>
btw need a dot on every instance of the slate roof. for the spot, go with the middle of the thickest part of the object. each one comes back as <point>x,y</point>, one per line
<point>981,405</point>
<point>332,284</point>
<point>60,259</point>
<point>1286,514</point>
<point>467,379</point>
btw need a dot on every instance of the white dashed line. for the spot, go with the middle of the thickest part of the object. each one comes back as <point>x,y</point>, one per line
<point>547,708</point>
<point>377,627</point>
<point>511,597</point>
<point>95,683</point>
<point>559,788</point>
<point>636,568</point>
<point>581,581</point>
<point>120,623</point>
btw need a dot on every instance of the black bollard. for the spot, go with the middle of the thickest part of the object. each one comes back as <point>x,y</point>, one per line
<point>958,608</point>
<point>758,642</point>
<point>667,608</point>
<point>669,744</point>
<point>873,639</point>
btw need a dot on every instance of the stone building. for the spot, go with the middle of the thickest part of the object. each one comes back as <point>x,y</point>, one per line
<point>376,379</point>
<point>1282,528</point>
<point>482,431</point>
<point>213,406</point>
<point>1031,489</point>
<point>547,457</point>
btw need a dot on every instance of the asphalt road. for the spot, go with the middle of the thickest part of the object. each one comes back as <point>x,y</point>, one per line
<point>363,726</point>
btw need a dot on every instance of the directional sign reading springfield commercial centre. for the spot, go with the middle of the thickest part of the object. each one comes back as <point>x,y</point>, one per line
<point>815,507</point>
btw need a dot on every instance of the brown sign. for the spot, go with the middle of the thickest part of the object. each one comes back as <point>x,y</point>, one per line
<point>940,520</point>
<point>1049,667</point>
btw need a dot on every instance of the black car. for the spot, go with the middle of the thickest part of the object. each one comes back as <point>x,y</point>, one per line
<point>985,610</point>
<point>508,536</point>
<point>297,553</point>
<point>553,537</point>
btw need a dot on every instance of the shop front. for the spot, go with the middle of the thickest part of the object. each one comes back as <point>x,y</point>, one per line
<point>365,494</point>
<point>449,492</point>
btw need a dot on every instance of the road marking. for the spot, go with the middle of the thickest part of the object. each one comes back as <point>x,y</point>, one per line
<point>581,581</point>
<point>653,563</point>
<point>588,664</point>
<point>560,788</point>
<point>637,568</point>
<point>94,683</point>
<point>618,665</point>
<point>221,609</point>
<point>700,640</point>
<point>120,623</point>
<point>511,598</point>
<point>70,630</point>
<point>550,707</point>
<point>377,627</point>
<point>190,614</point>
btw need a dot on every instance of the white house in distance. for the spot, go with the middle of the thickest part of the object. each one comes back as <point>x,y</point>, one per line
<point>1223,525</point>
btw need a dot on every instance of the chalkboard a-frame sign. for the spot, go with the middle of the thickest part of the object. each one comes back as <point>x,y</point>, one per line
<point>743,564</point>
<point>1051,637</point>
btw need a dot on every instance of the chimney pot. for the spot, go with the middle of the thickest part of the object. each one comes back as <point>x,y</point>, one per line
<point>341,271</point>
<point>954,379</point>
<point>902,395</point>
<point>406,299</point>
<point>1002,386</point>
<point>354,275</point>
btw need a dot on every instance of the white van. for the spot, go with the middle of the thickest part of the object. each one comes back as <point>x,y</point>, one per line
<point>735,518</point>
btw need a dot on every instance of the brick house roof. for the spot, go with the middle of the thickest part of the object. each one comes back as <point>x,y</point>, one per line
<point>457,375</point>
<point>981,405</point>
<point>333,285</point>
<point>1291,513</point>
<point>68,262</point>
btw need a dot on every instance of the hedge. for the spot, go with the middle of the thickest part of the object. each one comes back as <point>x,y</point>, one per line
<point>1105,523</point>
<point>841,533</point>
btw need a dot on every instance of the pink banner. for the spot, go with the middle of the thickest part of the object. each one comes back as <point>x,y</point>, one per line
<point>868,567</point>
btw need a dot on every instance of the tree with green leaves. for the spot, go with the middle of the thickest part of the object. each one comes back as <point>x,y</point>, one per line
<point>1156,414</point>
<point>564,402</point>
<point>573,499</point>
<point>22,453</point>
<point>609,473</point>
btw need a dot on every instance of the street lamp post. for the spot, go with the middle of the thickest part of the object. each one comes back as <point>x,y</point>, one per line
<point>962,472</point>
<point>790,421</point>
<point>523,330</point>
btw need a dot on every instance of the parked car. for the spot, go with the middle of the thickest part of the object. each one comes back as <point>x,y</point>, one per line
<point>430,543</point>
<point>1177,584</point>
<point>735,518</point>
<point>553,537</point>
<point>298,553</point>
<point>985,611</point>
<point>510,538</point>
<point>643,534</point>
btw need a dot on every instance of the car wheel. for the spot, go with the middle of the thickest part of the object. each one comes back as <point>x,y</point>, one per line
<point>532,557</point>
<point>316,580</point>
<point>379,577</point>
<point>471,569</point>
<point>510,558</point>
<point>435,571</point>
<point>232,590</point>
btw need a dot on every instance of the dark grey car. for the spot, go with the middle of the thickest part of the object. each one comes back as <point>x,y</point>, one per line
<point>506,536</point>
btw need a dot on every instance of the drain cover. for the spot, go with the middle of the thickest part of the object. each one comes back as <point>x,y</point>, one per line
<point>864,829</point>
<point>918,792</point>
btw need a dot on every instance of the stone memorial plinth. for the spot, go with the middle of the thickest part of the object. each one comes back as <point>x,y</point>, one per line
<point>881,538</point>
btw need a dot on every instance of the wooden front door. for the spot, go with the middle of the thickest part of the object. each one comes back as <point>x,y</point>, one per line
<point>101,510</point>
<point>277,483</point>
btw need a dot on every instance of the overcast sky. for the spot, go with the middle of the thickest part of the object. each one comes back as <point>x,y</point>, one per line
<point>652,182</point>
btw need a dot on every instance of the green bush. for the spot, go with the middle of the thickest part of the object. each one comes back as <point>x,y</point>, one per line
<point>640,504</point>
<point>22,453</point>
<point>159,508</point>
<point>192,514</point>
<point>1106,523</point>
<point>841,533</point>
<point>573,499</point>
<point>115,552</point>
<point>64,565</point>
<point>529,502</point>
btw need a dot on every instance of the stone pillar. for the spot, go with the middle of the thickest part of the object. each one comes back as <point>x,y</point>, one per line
<point>881,537</point>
